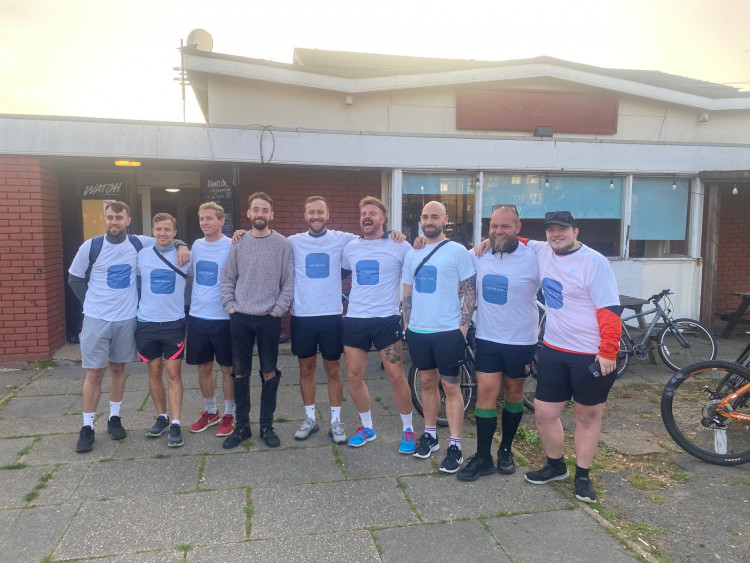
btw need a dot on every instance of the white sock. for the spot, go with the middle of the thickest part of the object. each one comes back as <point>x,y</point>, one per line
<point>229,406</point>
<point>455,442</point>
<point>176,421</point>
<point>88,419</point>
<point>406,422</point>
<point>310,411</point>
<point>209,404</point>
<point>114,409</point>
<point>366,418</point>
<point>165,415</point>
<point>431,430</point>
<point>335,414</point>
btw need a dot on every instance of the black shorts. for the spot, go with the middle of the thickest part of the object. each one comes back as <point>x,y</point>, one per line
<point>378,331</point>
<point>156,340</point>
<point>245,330</point>
<point>441,350</point>
<point>309,333</point>
<point>206,339</point>
<point>562,375</point>
<point>511,359</point>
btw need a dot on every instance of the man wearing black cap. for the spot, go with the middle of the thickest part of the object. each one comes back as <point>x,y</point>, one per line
<point>581,341</point>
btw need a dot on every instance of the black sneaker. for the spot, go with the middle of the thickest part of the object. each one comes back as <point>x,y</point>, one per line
<point>452,460</point>
<point>584,489</point>
<point>238,435</point>
<point>162,423</point>
<point>85,440</point>
<point>175,436</point>
<point>425,446</point>
<point>270,437</point>
<point>476,467</point>
<point>546,474</point>
<point>115,429</point>
<point>505,463</point>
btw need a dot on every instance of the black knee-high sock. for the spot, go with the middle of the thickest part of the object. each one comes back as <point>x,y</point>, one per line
<point>510,420</point>
<point>486,425</point>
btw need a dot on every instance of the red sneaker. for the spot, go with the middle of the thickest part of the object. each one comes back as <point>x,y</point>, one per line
<point>227,425</point>
<point>205,421</point>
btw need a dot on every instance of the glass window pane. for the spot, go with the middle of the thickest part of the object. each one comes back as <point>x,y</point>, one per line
<point>659,219</point>
<point>455,191</point>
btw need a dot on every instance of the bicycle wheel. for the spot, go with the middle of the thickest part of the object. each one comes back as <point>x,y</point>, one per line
<point>689,406</point>
<point>468,384</point>
<point>529,390</point>
<point>285,338</point>
<point>701,344</point>
<point>623,359</point>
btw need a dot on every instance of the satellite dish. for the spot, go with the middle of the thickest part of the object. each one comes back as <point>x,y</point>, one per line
<point>200,39</point>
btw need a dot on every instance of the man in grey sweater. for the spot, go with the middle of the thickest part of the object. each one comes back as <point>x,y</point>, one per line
<point>257,288</point>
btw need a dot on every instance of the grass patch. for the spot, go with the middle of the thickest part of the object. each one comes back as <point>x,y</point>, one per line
<point>184,548</point>
<point>14,466</point>
<point>339,460</point>
<point>739,481</point>
<point>43,480</point>
<point>201,470</point>
<point>661,500</point>
<point>279,419</point>
<point>414,508</point>
<point>528,435</point>
<point>249,510</point>
<point>646,482</point>
<point>27,449</point>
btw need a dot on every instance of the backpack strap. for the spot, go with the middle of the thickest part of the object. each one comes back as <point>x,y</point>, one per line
<point>168,263</point>
<point>426,258</point>
<point>136,242</point>
<point>94,251</point>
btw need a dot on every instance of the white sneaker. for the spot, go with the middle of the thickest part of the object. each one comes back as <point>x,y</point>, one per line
<point>308,426</point>
<point>337,432</point>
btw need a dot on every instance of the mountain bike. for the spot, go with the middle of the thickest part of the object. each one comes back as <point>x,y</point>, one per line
<point>706,410</point>
<point>467,379</point>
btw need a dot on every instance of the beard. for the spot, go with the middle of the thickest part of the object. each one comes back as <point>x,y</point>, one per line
<point>502,244</point>
<point>317,227</point>
<point>260,224</point>
<point>432,232</point>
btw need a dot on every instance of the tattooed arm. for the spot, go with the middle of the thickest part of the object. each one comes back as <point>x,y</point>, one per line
<point>469,289</point>
<point>406,304</point>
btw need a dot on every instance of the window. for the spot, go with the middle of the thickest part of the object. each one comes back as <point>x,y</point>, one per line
<point>658,225</point>
<point>596,202</point>
<point>455,191</point>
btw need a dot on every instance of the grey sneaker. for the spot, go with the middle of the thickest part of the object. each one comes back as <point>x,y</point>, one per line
<point>337,432</point>
<point>308,426</point>
<point>162,423</point>
<point>175,436</point>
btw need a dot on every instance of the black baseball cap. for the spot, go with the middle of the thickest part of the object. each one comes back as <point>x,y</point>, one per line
<point>564,218</point>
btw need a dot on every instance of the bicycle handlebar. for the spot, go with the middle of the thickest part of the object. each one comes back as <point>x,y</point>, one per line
<point>663,293</point>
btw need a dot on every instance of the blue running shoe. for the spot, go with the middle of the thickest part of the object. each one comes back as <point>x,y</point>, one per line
<point>361,437</point>
<point>408,442</point>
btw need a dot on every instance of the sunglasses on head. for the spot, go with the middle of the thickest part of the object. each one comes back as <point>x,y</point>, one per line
<point>566,216</point>
<point>505,206</point>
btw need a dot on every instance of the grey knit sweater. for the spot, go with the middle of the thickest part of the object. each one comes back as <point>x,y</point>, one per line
<point>259,276</point>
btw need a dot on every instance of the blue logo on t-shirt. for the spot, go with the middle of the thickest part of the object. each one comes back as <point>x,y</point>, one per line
<point>118,276</point>
<point>495,289</point>
<point>206,273</point>
<point>162,282</point>
<point>553,294</point>
<point>426,281</point>
<point>317,265</point>
<point>368,272</point>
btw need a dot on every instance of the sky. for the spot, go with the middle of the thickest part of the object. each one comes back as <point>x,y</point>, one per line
<point>115,59</point>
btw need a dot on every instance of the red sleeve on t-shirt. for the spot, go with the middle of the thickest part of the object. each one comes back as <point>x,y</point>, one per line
<point>523,241</point>
<point>610,330</point>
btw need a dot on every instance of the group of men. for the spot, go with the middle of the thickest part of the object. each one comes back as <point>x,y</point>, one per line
<point>241,291</point>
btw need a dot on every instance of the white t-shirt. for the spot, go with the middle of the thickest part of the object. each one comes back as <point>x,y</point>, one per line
<point>506,296</point>
<point>435,303</point>
<point>112,294</point>
<point>207,261</point>
<point>162,289</point>
<point>317,272</point>
<point>376,273</point>
<point>575,286</point>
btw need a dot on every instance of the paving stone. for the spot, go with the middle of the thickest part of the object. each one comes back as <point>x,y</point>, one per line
<point>35,532</point>
<point>63,485</point>
<point>40,407</point>
<point>154,556</point>
<point>271,467</point>
<point>443,497</point>
<point>468,541</point>
<point>559,535</point>
<point>9,449</point>
<point>61,449</point>
<point>344,546</point>
<point>35,426</point>
<point>325,507</point>
<point>51,384</point>
<point>17,483</point>
<point>155,522</point>
<point>138,445</point>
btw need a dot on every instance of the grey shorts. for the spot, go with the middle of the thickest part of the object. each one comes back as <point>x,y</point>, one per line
<point>105,341</point>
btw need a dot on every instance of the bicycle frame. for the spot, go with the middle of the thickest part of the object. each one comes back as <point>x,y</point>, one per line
<point>660,314</point>
<point>728,399</point>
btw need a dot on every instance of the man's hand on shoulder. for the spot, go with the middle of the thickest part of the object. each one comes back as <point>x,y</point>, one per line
<point>482,248</point>
<point>419,242</point>
<point>237,236</point>
<point>398,236</point>
<point>183,255</point>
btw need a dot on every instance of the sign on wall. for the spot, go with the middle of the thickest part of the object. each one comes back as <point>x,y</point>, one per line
<point>102,187</point>
<point>220,189</point>
<point>523,110</point>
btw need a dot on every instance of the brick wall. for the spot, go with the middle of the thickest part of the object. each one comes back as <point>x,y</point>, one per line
<point>32,308</point>
<point>733,260</point>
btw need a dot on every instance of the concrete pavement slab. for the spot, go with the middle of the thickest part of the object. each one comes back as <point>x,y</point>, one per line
<point>120,526</point>
<point>17,483</point>
<point>10,448</point>
<point>326,507</point>
<point>35,532</point>
<point>45,406</point>
<point>464,541</point>
<point>63,485</point>
<point>52,384</point>
<point>380,458</point>
<point>36,426</point>
<point>61,449</point>
<point>153,556</point>
<point>443,497</point>
<point>559,535</point>
<point>138,445</point>
<point>271,467</point>
<point>322,548</point>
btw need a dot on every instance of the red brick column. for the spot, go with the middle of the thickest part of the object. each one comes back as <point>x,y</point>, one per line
<point>32,303</point>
